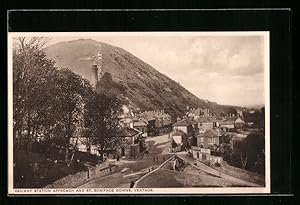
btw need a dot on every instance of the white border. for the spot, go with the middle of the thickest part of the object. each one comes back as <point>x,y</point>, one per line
<point>137,191</point>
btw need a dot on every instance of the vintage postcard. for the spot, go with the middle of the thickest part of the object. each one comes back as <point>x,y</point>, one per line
<point>138,113</point>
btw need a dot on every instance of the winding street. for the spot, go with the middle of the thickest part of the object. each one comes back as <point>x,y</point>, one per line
<point>157,148</point>
<point>136,170</point>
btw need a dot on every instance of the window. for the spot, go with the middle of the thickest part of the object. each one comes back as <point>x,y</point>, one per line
<point>201,139</point>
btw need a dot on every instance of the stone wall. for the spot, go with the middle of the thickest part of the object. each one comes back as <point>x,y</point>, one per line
<point>70,181</point>
<point>74,180</point>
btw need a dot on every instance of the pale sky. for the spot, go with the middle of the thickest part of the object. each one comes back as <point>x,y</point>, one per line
<point>224,69</point>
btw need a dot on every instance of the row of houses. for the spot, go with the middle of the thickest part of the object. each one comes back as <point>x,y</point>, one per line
<point>194,127</point>
<point>205,136</point>
<point>158,122</point>
<point>196,113</point>
<point>245,114</point>
<point>150,123</point>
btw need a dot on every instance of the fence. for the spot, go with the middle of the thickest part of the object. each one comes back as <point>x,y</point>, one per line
<point>74,180</point>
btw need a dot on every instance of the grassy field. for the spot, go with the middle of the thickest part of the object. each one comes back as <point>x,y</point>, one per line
<point>189,177</point>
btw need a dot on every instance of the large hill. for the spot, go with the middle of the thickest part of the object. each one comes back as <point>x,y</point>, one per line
<point>128,77</point>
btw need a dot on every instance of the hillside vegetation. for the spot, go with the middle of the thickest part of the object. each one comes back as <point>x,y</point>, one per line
<point>128,77</point>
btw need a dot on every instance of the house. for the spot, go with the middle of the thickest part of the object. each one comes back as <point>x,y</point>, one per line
<point>208,146</point>
<point>202,130</point>
<point>206,155</point>
<point>194,124</point>
<point>184,126</point>
<point>209,139</point>
<point>126,117</point>
<point>160,121</point>
<point>150,121</point>
<point>197,113</point>
<point>205,123</point>
<point>232,123</point>
<point>189,127</point>
<point>227,125</point>
<point>142,126</point>
<point>130,143</point>
<point>161,118</point>
<point>179,140</point>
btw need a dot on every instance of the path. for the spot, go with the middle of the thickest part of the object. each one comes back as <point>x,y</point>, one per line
<point>156,147</point>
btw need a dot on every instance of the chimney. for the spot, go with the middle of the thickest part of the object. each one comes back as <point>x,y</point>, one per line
<point>95,74</point>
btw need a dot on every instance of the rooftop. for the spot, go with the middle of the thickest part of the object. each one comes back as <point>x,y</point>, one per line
<point>127,132</point>
<point>178,133</point>
<point>182,123</point>
<point>204,119</point>
<point>139,123</point>
<point>211,133</point>
<point>226,122</point>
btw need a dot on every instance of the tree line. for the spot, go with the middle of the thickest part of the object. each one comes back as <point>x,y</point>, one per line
<point>53,105</point>
<point>248,154</point>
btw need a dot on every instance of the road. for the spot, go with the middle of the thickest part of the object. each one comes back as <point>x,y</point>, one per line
<point>158,153</point>
<point>157,148</point>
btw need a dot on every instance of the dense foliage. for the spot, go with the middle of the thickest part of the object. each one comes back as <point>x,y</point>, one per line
<point>101,121</point>
<point>49,109</point>
<point>249,153</point>
<point>48,102</point>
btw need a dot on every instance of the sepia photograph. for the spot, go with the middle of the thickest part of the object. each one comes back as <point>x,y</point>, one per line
<point>138,113</point>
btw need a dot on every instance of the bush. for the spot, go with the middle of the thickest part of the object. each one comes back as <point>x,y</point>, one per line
<point>32,170</point>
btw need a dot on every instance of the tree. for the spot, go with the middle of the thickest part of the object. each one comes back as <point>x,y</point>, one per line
<point>226,152</point>
<point>72,92</point>
<point>101,121</point>
<point>47,101</point>
<point>244,159</point>
<point>32,73</point>
<point>252,150</point>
